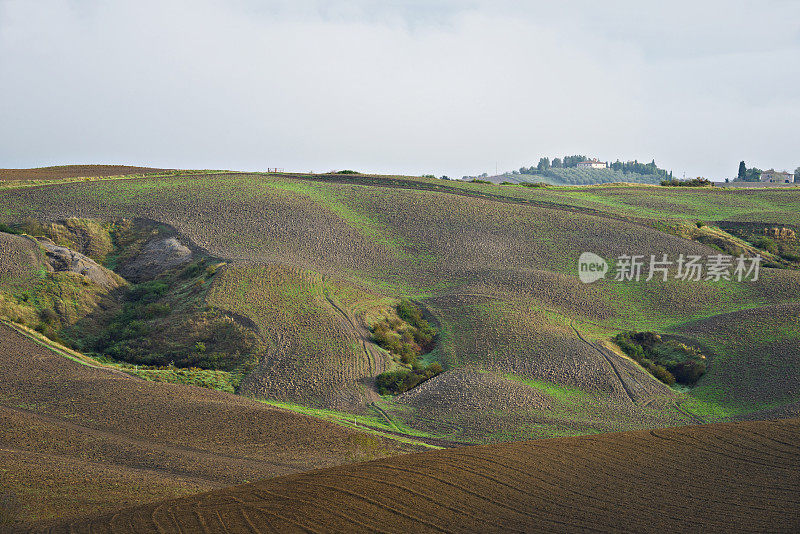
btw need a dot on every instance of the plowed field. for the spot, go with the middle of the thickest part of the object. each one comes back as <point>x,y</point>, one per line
<point>733,477</point>
<point>76,439</point>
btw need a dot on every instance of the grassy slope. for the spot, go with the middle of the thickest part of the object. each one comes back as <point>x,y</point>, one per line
<point>731,477</point>
<point>447,248</point>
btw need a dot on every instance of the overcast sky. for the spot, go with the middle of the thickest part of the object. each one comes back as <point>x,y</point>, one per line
<point>442,87</point>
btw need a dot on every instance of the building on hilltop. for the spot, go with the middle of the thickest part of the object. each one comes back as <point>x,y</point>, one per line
<point>774,176</point>
<point>592,164</point>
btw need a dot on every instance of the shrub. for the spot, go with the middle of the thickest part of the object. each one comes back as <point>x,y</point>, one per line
<point>8,229</point>
<point>477,181</point>
<point>766,243</point>
<point>689,372</point>
<point>694,182</point>
<point>192,270</point>
<point>155,309</point>
<point>661,373</point>
<point>148,291</point>
<point>400,381</point>
<point>48,316</point>
<point>669,361</point>
<point>406,336</point>
<point>347,171</point>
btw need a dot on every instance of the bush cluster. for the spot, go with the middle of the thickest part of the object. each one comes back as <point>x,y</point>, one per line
<point>406,336</point>
<point>191,338</point>
<point>669,361</point>
<point>396,382</point>
<point>694,182</point>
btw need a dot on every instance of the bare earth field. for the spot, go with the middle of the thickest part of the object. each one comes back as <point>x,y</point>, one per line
<point>73,171</point>
<point>76,440</point>
<point>715,478</point>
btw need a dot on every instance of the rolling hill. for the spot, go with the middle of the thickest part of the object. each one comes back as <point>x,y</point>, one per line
<point>574,176</point>
<point>739,477</point>
<point>74,171</point>
<point>311,257</point>
<point>268,285</point>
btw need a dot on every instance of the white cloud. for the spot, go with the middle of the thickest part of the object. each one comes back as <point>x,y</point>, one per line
<point>444,87</point>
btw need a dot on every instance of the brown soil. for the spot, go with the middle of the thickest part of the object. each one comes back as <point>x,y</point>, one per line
<point>101,440</point>
<point>72,171</point>
<point>718,478</point>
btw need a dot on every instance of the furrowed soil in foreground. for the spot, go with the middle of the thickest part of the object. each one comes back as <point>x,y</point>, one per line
<point>721,478</point>
<point>78,440</point>
<point>73,171</point>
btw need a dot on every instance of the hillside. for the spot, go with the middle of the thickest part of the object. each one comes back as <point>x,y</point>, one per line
<point>78,439</point>
<point>716,478</point>
<point>313,260</point>
<point>73,171</point>
<point>575,176</point>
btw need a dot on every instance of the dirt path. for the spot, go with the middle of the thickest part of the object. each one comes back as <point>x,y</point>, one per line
<point>358,333</point>
<point>606,357</point>
<point>690,415</point>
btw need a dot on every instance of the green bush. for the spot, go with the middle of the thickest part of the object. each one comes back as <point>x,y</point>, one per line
<point>669,361</point>
<point>192,270</point>
<point>8,229</point>
<point>400,381</point>
<point>766,243</point>
<point>148,291</point>
<point>406,336</point>
<point>694,182</point>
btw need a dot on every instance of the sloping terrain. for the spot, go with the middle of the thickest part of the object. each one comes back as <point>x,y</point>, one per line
<point>495,267</point>
<point>315,354</point>
<point>76,439</point>
<point>73,171</point>
<point>754,360</point>
<point>716,478</point>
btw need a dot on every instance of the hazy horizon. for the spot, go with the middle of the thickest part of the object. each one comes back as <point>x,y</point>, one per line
<point>409,87</point>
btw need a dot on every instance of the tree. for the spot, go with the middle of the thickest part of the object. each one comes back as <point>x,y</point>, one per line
<point>742,171</point>
<point>557,163</point>
<point>797,175</point>
<point>544,164</point>
<point>753,175</point>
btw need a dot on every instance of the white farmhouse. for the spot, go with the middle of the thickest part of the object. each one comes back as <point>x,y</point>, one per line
<point>592,164</point>
<point>774,176</point>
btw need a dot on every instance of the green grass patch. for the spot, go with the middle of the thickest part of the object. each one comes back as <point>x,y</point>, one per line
<point>563,394</point>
